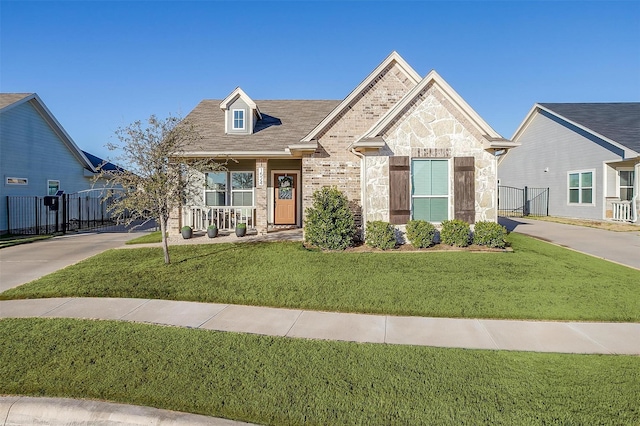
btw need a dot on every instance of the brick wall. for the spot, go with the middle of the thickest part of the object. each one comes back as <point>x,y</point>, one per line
<point>332,164</point>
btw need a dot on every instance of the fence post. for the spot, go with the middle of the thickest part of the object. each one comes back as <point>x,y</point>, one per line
<point>525,202</point>
<point>64,213</point>
<point>547,201</point>
<point>37,217</point>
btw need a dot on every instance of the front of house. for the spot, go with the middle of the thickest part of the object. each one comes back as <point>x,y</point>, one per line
<point>399,146</point>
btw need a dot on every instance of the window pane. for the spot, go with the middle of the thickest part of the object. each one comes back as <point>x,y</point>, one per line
<point>586,196</point>
<point>421,177</point>
<point>242,199</point>
<point>574,196</point>
<point>217,181</point>
<point>53,186</point>
<point>214,198</point>
<point>439,177</point>
<point>238,119</point>
<point>241,180</point>
<point>439,209</point>
<point>626,194</point>
<point>586,180</point>
<point>626,178</point>
<point>421,209</point>
<point>574,180</point>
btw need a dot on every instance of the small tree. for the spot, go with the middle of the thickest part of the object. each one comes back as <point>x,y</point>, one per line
<point>329,223</point>
<point>155,177</point>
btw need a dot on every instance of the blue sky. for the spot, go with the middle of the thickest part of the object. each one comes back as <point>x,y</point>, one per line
<point>100,65</point>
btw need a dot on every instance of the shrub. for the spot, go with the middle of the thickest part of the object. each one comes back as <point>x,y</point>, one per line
<point>329,222</point>
<point>490,234</point>
<point>380,235</point>
<point>241,225</point>
<point>185,228</point>
<point>420,233</point>
<point>455,233</point>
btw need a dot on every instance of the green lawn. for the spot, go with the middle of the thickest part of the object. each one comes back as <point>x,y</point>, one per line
<point>282,381</point>
<point>152,237</point>
<point>537,281</point>
<point>14,240</point>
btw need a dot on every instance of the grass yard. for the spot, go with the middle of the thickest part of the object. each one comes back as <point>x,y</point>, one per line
<point>272,380</point>
<point>537,281</point>
<point>151,237</point>
<point>14,240</point>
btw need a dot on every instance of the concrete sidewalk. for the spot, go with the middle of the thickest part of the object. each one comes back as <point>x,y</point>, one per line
<point>538,336</point>
<point>618,247</point>
<point>23,410</point>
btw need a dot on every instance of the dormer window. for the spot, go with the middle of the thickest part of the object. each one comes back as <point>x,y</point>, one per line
<point>238,119</point>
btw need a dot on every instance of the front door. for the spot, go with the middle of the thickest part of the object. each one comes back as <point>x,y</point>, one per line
<point>285,199</point>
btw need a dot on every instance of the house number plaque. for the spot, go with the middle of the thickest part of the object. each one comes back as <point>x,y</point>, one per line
<point>260,176</point>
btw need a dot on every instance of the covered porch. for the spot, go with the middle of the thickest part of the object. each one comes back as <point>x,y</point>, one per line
<point>621,189</point>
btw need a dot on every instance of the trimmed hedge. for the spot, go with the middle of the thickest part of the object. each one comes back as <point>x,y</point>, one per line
<point>420,233</point>
<point>455,233</point>
<point>380,235</point>
<point>329,223</point>
<point>490,234</point>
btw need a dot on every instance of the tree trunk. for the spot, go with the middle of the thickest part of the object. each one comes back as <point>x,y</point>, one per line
<point>165,245</point>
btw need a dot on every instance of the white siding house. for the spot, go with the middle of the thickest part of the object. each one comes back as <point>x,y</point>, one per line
<point>37,156</point>
<point>588,155</point>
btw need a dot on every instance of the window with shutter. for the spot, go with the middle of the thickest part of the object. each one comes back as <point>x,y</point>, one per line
<point>430,189</point>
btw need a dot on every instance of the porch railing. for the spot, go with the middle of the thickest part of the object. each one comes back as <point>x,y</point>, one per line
<point>625,211</point>
<point>224,217</point>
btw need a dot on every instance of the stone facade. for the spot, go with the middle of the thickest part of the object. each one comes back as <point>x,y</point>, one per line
<point>332,164</point>
<point>432,128</point>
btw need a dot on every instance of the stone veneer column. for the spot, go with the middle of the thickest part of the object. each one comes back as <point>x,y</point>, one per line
<point>262,209</point>
<point>174,225</point>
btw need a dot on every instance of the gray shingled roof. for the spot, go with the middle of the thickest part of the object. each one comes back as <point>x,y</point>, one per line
<point>284,122</point>
<point>9,98</point>
<point>619,122</point>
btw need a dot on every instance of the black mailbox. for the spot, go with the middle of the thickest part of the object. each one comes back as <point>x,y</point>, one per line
<point>51,202</point>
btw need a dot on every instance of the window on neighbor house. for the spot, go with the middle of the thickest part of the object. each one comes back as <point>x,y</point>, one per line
<point>238,119</point>
<point>626,184</point>
<point>16,181</point>
<point>581,187</point>
<point>218,192</point>
<point>53,186</point>
<point>430,190</point>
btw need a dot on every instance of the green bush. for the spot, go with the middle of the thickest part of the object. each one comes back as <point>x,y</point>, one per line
<point>455,233</point>
<point>329,222</point>
<point>420,233</point>
<point>380,235</point>
<point>490,234</point>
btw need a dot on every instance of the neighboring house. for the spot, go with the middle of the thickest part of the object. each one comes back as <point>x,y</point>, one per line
<point>37,156</point>
<point>399,146</point>
<point>587,154</point>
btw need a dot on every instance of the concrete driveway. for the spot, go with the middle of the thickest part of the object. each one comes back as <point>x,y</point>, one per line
<point>27,262</point>
<point>619,247</point>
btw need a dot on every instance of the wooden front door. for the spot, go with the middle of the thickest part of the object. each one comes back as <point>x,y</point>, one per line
<point>285,199</point>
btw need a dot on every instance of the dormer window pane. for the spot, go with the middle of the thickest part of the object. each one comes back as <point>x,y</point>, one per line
<point>238,119</point>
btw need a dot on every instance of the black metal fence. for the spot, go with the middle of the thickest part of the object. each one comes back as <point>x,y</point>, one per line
<point>520,202</point>
<point>29,215</point>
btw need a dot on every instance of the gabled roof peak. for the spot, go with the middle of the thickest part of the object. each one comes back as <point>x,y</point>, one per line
<point>239,93</point>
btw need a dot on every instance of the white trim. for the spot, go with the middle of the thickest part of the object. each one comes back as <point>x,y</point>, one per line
<point>57,128</point>
<point>393,57</point>
<point>18,183</point>
<point>628,152</point>
<point>233,119</point>
<point>298,194</point>
<point>449,93</point>
<point>593,188</point>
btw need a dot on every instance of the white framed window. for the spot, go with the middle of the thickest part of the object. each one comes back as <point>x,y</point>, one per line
<point>215,191</point>
<point>238,119</point>
<point>625,184</point>
<point>229,189</point>
<point>581,187</point>
<point>430,190</point>
<point>53,186</point>
<point>242,188</point>
<point>16,181</point>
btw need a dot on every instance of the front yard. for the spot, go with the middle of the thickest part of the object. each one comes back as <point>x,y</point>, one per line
<point>282,381</point>
<point>537,281</point>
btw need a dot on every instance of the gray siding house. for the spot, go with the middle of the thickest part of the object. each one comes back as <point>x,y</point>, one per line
<point>37,156</point>
<point>587,154</point>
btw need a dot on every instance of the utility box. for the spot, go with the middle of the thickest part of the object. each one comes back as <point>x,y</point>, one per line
<point>52,202</point>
